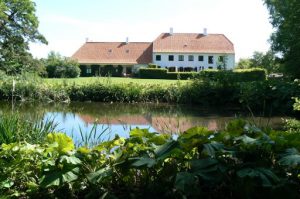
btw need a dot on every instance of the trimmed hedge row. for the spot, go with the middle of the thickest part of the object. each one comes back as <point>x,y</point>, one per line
<point>161,73</point>
<point>241,75</point>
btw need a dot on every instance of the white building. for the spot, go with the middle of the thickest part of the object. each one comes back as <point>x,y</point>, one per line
<point>175,51</point>
<point>193,50</point>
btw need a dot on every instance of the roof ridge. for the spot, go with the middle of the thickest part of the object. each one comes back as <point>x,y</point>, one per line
<point>119,42</point>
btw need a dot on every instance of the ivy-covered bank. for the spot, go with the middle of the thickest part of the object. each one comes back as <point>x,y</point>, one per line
<point>242,161</point>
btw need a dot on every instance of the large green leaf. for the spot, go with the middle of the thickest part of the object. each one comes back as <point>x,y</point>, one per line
<point>70,160</point>
<point>185,181</point>
<point>57,178</point>
<point>290,158</point>
<point>165,150</point>
<point>266,176</point>
<point>208,169</point>
<point>99,175</point>
<point>144,161</point>
<point>62,143</point>
<point>210,149</point>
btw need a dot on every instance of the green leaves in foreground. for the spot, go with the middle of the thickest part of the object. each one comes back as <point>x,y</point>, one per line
<point>234,163</point>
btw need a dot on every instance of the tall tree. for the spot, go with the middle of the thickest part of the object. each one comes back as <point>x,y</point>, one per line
<point>266,61</point>
<point>285,18</point>
<point>18,27</point>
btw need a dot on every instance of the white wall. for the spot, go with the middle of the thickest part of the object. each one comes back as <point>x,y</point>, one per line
<point>230,60</point>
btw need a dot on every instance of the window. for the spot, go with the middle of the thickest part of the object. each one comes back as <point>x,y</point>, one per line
<point>88,70</point>
<point>200,58</point>
<point>158,57</point>
<point>191,57</point>
<point>180,58</point>
<point>171,57</point>
<point>210,59</point>
<point>210,67</point>
<point>221,59</point>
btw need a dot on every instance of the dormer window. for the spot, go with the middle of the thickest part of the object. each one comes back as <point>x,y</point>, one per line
<point>110,50</point>
<point>127,51</point>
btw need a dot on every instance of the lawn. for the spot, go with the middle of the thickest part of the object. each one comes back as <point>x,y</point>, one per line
<point>112,80</point>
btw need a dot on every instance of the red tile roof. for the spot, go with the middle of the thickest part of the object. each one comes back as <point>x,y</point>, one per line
<point>193,43</point>
<point>114,53</point>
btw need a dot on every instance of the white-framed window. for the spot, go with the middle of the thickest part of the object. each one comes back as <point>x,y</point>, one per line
<point>171,57</point>
<point>158,57</point>
<point>191,57</point>
<point>210,59</point>
<point>180,58</point>
<point>200,58</point>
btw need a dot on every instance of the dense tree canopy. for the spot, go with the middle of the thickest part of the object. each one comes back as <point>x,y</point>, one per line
<point>285,18</point>
<point>59,67</point>
<point>266,61</point>
<point>18,27</point>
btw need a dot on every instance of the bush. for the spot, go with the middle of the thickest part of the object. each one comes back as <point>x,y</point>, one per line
<point>152,66</point>
<point>240,75</point>
<point>153,73</point>
<point>181,75</point>
<point>58,66</point>
<point>162,73</point>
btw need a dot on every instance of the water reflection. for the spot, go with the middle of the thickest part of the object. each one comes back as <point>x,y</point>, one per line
<point>78,119</point>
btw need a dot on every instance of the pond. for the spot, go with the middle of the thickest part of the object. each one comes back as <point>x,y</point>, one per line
<point>103,121</point>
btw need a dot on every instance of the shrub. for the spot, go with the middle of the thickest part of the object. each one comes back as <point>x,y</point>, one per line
<point>181,75</point>
<point>240,75</point>
<point>152,66</point>
<point>162,73</point>
<point>153,73</point>
<point>58,66</point>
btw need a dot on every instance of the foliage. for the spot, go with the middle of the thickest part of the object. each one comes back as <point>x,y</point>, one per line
<point>162,73</point>
<point>18,27</point>
<point>230,77</point>
<point>234,163</point>
<point>268,97</point>
<point>152,66</point>
<point>61,67</point>
<point>181,75</point>
<point>153,73</point>
<point>15,128</point>
<point>285,19</point>
<point>267,61</point>
<point>297,104</point>
<point>244,63</point>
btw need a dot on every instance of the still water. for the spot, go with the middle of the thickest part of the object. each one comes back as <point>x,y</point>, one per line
<point>79,119</point>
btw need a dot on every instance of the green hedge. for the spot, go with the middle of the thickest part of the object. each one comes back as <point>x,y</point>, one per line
<point>240,75</point>
<point>181,75</point>
<point>161,73</point>
<point>153,73</point>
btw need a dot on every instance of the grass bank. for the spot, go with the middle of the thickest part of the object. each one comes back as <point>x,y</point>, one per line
<point>267,96</point>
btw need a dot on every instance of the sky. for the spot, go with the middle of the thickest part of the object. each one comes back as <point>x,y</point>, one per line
<point>67,24</point>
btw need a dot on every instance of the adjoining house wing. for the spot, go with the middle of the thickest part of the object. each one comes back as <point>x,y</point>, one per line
<point>114,53</point>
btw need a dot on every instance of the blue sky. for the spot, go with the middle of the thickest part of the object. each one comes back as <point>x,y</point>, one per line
<point>67,23</point>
